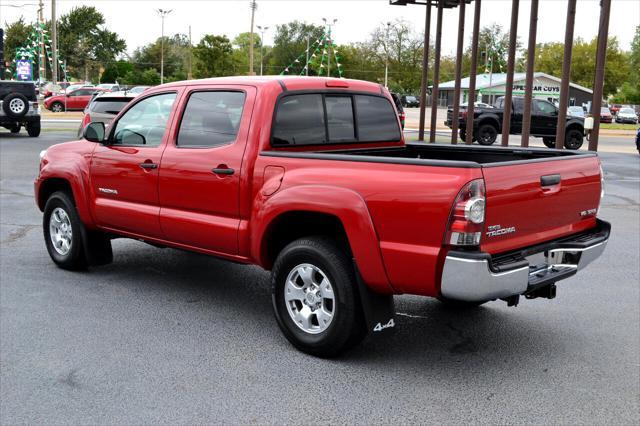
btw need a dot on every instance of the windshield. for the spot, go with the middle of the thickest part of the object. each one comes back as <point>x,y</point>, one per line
<point>627,111</point>
<point>604,110</point>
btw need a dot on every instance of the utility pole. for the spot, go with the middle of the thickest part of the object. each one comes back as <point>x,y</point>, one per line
<point>330,25</point>
<point>253,5</point>
<point>262,31</point>
<point>189,74</point>
<point>54,43</point>
<point>386,59</point>
<point>162,13</point>
<point>42,75</point>
<point>306,67</point>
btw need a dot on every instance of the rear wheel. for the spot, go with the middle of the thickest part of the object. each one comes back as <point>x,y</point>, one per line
<point>57,107</point>
<point>573,139</point>
<point>314,297</point>
<point>463,135</point>
<point>549,142</point>
<point>15,128</point>
<point>33,129</point>
<point>487,134</point>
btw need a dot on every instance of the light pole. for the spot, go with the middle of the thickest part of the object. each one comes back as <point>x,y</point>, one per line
<point>262,31</point>
<point>327,24</point>
<point>162,13</point>
<point>253,5</point>
<point>386,60</point>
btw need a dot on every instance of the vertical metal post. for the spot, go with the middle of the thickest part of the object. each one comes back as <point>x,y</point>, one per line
<point>528,88</point>
<point>306,67</point>
<point>456,90</point>
<point>54,43</point>
<point>436,76</point>
<point>596,104</point>
<point>253,5</point>
<point>566,74</point>
<point>189,71</point>
<point>472,73</point>
<point>386,59</point>
<point>425,72</point>
<point>511,62</point>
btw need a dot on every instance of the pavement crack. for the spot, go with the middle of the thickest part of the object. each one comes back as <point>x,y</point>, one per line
<point>70,379</point>
<point>19,194</point>
<point>19,233</point>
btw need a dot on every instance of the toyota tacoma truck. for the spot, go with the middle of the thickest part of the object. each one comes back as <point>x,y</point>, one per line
<point>487,123</point>
<point>310,178</point>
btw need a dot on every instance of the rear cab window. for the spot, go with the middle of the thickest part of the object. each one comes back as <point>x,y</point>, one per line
<point>334,118</point>
<point>109,105</point>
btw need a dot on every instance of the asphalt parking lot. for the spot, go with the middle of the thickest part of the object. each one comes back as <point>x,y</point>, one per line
<point>164,336</point>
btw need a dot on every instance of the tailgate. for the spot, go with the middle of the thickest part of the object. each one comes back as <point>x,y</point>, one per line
<point>534,202</point>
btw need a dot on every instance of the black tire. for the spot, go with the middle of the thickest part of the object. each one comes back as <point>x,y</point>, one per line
<point>33,129</point>
<point>15,128</point>
<point>549,142</point>
<point>460,304</point>
<point>57,107</point>
<point>487,134</point>
<point>346,328</point>
<point>74,259</point>
<point>573,139</point>
<point>15,105</point>
<point>463,135</point>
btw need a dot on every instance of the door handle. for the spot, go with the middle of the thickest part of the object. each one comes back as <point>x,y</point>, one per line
<point>148,166</point>
<point>549,180</point>
<point>222,169</point>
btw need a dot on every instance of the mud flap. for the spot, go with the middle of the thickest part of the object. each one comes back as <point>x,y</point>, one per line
<point>97,248</point>
<point>378,309</point>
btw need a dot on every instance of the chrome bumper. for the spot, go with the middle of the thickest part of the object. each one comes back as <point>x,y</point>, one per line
<point>476,277</point>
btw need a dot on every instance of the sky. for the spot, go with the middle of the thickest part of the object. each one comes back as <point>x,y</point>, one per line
<point>138,23</point>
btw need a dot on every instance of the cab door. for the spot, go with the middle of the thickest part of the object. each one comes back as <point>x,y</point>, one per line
<point>124,170</point>
<point>201,168</point>
<point>544,119</point>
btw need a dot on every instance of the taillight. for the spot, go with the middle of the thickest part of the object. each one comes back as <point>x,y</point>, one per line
<point>86,120</point>
<point>466,221</point>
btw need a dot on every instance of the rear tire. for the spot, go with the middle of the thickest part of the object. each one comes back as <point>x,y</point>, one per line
<point>463,135</point>
<point>549,142</point>
<point>573,139</point>
<point>33,129</point>
<point>63,232</point>
<point>315,300</point>
<point>487,134</point>
<point>15,128</point>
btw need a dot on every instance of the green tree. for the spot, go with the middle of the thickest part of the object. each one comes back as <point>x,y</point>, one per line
<point>116,71</point>
<point>213,57</point>
<point>629,92</point>
<point>493,50</point>
<point>15,36</point>
<point>290,42</point>
<point>176,54</point>
<point>85,43</point>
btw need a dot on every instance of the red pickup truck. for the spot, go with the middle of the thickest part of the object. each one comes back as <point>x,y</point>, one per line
<point>311,179</point>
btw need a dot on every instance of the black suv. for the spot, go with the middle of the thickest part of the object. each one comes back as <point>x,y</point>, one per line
<point>19,107</point>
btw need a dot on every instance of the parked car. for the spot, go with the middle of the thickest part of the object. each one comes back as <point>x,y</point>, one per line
<point>72,87</point>
<point>329,199</point>
<point>19,107</point>
<point>75,100</point>
<point>410,101</point>
<point>50,89</point>
<point>137,89</point>
<point>481,105</point>
<point>487,123</point>
<point>398,103</point>
<point>576,111</point>
<point>104,107</point>
<point>110,87</point>
<point>638,140</point>
<point>627,115</point>
<point>605,115</point>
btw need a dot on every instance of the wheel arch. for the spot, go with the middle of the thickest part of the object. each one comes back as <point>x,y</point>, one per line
<point>78,196</point>
<point>493,120</point>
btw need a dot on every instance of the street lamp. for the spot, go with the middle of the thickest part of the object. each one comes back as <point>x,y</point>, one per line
<point>386,60</point>
<point>262,31</point>
<point>327,24</point>
<point>253,6</point>
<point>162,13</point>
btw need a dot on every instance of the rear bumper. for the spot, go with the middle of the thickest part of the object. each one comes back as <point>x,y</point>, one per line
<point>478,277</point>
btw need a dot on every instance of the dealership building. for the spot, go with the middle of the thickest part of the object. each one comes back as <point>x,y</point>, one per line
<point>491,86</point>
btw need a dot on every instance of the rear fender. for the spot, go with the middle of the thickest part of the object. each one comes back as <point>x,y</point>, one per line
<point>345,204</point>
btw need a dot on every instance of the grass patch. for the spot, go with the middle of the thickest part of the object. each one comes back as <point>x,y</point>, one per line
<point>618,126</point>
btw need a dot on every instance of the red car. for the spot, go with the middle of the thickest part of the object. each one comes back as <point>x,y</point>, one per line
<point>311,179</point>
<point>605,115</point>
<point>76,100</point>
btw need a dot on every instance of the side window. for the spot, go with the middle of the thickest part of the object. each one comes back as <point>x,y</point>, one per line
<point>211,119</point>
<point>145,122</point>
<point>545,108</point>
<point>340,118</point>
<point>377,121</point>
<point>300,121</point>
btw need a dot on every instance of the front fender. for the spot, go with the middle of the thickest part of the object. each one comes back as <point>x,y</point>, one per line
<point>345,204</point>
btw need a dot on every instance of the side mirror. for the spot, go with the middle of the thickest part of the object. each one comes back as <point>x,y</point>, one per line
<point>94,132</point>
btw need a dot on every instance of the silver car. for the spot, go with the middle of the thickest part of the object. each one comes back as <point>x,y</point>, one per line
<point>104,107</point>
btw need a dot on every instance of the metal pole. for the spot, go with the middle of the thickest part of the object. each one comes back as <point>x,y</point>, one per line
<point>189,73</point>
<point>425,70</point>
<point>253,5</point>
<point>531,55</point>
<point>472,73</point>
<point>508,96</point>
<point>42,75</point>
<point>306,69</point>
<point>566,74</point>
<point>456,90</point>
<point>386,59</point>
<point>162,52</point>
<point>54,43</point>
<point>436,76</point>
<point>603,34</point>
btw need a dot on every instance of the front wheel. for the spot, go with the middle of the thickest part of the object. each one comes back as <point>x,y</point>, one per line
<point>315,299</point>
<point>573,139</point>
<point>487,134</point>
<point>62,232</point>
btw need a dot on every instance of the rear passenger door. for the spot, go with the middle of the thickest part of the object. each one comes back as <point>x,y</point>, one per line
<point>201,169</point>
<point>545,118</point>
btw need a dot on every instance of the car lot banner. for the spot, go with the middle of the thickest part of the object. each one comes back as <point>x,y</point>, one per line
<point>24,70</point>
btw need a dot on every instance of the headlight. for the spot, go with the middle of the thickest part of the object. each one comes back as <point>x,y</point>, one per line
<point>42,154</point>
